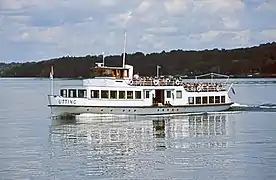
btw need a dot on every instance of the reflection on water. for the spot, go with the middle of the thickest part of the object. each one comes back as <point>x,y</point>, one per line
<point>139,128</point>
<point>212,125</point>
<point>121,147</point>
<point>207,125</point>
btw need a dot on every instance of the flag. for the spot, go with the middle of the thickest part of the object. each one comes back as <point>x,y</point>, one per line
<point>52,72</point>
<point>233,90</point>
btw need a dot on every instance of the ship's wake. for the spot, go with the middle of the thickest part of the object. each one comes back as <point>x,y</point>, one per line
<point>266,107</point>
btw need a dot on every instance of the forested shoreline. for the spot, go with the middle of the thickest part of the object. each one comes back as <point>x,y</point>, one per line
<point>257,61</point>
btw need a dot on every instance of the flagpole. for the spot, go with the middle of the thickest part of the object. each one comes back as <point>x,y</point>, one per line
<point>124,52</point>
<point>52,86</point>
<point>52,80</point>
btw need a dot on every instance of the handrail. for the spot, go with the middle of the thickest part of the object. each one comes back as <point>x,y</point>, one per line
<point>188,86</point>
<point>212,75</point>
<point>216,74</point>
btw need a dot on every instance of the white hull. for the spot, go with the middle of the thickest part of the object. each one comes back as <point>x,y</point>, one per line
<point>63,110</point>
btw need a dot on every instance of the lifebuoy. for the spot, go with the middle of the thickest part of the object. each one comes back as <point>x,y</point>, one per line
<point>218,88</point>
<point>168,81</point>
<point>177,82</point>
<point>131,82</point>
<point>156,82</point>
<point>198,88</point>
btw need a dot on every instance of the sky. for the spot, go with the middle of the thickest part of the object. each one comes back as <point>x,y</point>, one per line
<point>34,30</point>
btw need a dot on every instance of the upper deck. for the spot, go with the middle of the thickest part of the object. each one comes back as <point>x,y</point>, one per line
<point>188,86</point>
<point>123,77</point>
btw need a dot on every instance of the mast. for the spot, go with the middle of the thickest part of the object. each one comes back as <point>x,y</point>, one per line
<point>124,53</point>
<point>103,58</point>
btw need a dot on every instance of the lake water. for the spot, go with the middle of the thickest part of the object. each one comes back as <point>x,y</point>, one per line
<point>237,144</point>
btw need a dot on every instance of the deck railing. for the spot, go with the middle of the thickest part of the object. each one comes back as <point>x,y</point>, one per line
<point>188,86</point>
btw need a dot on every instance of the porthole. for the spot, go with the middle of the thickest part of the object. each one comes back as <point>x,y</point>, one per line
<point>157,109</point>
<point>128,110</point>
<point>123,110</point>
<point>172,109</point>
<point>163,109</point>
<point>134,110</point>
<point>87,109</point>
<point>176,109</point>
<point>168,109</point>
<point>101,109</point>
<point>111,110</point>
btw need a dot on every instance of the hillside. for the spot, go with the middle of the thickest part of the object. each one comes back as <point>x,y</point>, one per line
<point>258,60</point>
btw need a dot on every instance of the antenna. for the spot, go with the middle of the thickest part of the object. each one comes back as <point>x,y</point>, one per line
<point>124,54</point>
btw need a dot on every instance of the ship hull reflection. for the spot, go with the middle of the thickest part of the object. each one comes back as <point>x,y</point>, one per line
<point>129,144</point>
<point>173,131</point>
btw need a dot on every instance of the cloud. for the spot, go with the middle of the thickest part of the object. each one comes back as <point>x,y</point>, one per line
<point>42,29</point>
<point>176,6</point>
<point>269,33</point>
<point>269,5</point>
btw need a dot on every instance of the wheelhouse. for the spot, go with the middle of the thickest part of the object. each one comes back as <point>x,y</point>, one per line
<point>125,72</point>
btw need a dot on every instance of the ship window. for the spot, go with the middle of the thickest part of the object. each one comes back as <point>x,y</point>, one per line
<point>222,99</point>
<point>104,94</point>
<point>113,94</point>
<point>95,94</point>
<point>138,95</point>
<point>82,93</point>
<point>129,94</point>
<point>72,93</point>
<point>122,94</point>
<point>198,100</point>
<point>169,94</point>
<point>217,99</point>
<point>178,94</point>
<point>63,92</point>
<point>191,100</point>
<point>204,100</point>
<point>211,99</point>
<point>147,94</point>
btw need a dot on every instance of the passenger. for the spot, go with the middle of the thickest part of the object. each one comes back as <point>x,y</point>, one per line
<point>154,100</point>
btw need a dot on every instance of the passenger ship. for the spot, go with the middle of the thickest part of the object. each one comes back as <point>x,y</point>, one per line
<point>115,90</point>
